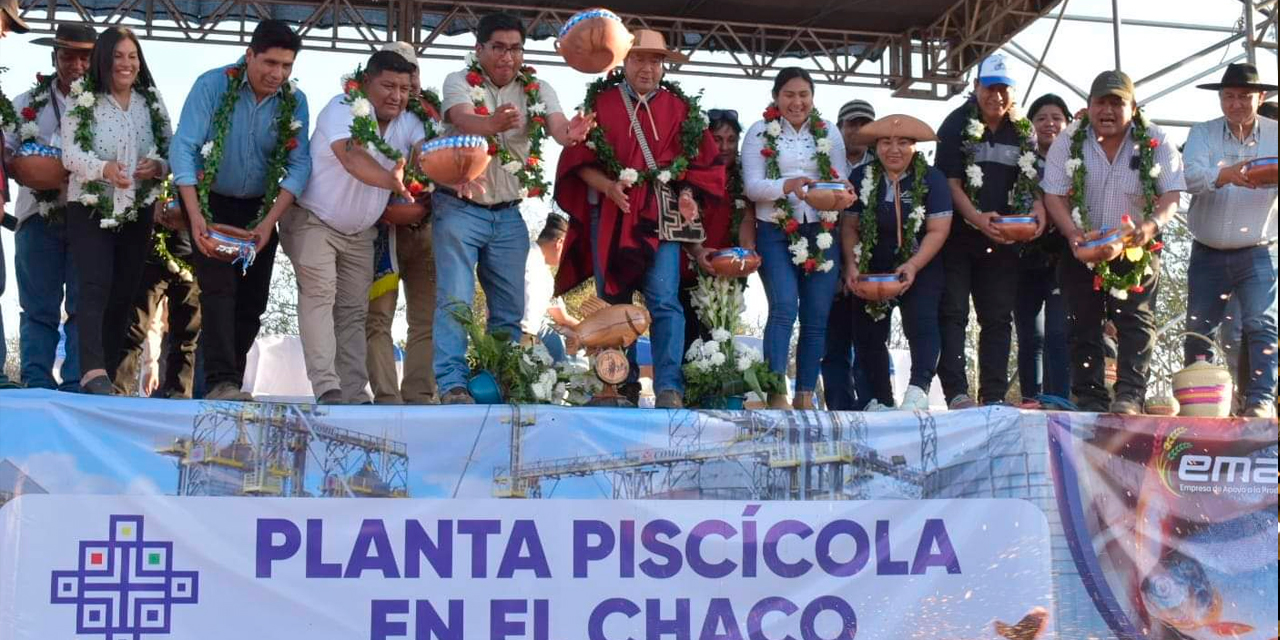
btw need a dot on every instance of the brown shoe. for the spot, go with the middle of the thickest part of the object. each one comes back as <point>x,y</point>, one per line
<point>803,401</point>
<point>228,391</point>
<point>457,395</point>
<point>778,402</point>
<point>669,399</point>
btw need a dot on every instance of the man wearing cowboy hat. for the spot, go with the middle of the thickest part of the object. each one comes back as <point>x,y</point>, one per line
<point>44,260</point>
<point>617,219</point>
<point>1233,221</point>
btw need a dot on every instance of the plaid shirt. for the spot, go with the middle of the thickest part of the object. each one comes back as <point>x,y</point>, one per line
<point>1229,217</point>
<point>1112,189</point>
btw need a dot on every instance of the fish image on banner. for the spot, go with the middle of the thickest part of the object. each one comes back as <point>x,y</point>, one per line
<point>1175,541</point>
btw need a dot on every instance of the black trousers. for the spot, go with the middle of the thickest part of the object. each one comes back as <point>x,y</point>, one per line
<point>918,308</point>
<point>178,371</point>
<point>989,273</point>
<point>232,304</point>
<point>839,376</point>
<point>110,264</point>
<point>1087,312</point>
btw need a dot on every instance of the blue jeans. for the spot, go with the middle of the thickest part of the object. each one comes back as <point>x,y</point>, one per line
<point>554,343</point>
<point>1213,277</point>
<point>45,267</point>
<point>1044,363</point>
<point>791,293</point>
<point>471,240</point>
<point>661,291</point>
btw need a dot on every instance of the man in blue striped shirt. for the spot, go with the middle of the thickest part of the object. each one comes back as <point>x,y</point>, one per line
<point>232,303</point>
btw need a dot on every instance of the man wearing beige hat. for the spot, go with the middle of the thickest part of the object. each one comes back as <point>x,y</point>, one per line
<point>1113,146</point>
<point>415,267</point>
<point>45,268</point>
<point>633,192</point>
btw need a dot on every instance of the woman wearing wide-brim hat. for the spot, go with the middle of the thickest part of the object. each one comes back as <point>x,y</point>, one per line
<point>901,234</point>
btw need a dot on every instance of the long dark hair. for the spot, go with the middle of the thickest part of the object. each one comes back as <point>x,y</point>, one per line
<point>103,58</point>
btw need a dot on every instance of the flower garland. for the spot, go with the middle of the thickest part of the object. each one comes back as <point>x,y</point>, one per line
<point>38,98</point>
<point>529,172</point>
<point>287,129</point>
<point>868,228</point>
<point>809,259</point>
<point>93,191</point>
<point>691,132</point>
<point>364,128</point>
<point>430,117</point>
<point>1027,185</point>
<point>160,249</point>
<point>1148,171</point>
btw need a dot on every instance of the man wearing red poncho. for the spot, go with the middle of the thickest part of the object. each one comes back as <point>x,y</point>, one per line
<point>610,190</point>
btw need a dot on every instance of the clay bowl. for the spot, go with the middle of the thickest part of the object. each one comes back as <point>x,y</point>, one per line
<point>878,287</point>
<point>454,160</point>
<point>405,212</point>
<point>227,243</point>
<point>171,215</point>
<point>37,166</point>
<point>1262,171</point>
<point>1017,228</point>
<point>826,196</point>
<point>1102,247</point>
<point>734,262</point>
<point>593,41</point>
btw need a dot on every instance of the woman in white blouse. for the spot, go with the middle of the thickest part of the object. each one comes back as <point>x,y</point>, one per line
<point>116,133</point>
<point>782,156</point>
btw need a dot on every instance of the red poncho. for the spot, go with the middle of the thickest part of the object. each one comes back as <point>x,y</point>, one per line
<point>628,241</point>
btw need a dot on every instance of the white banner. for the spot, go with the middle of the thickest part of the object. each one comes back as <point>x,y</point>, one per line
<point>136,567</point>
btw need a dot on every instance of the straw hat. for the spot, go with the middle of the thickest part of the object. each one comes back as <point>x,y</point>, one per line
<point>899,125</point>
<point>649,41</point>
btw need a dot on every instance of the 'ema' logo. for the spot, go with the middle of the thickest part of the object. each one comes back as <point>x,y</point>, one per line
<point>125,586</point>
<point>1182,470</point>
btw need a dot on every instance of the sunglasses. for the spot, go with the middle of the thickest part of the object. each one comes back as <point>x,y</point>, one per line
<point>722,114</point>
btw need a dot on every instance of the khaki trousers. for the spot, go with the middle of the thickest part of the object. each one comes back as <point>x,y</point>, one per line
<point>334,272</point>
<point>418,276</point>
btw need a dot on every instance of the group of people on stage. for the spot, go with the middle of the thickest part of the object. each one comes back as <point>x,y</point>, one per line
<point>652,185</point>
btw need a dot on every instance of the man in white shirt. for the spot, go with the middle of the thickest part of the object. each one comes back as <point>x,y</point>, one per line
<point>540,301</point>
<point>329,235</point>
<point>43,260</point>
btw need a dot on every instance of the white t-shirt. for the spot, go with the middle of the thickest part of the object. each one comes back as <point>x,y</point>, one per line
<point>539,289</point>
<point>337,197</point>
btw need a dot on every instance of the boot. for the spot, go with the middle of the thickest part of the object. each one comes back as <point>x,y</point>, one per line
<point>778,401</point>
<point>803,401</point>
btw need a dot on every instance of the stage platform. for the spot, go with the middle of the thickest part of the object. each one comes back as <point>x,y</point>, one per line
<point>1105,503</point>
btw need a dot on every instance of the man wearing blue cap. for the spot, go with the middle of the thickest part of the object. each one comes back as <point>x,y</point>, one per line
<point>978,150</point>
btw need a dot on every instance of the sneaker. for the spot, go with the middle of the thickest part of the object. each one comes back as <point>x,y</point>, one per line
<point>457,395</point>
<point>1126,406</point>
<point>1257,410</point>
<point>332,396</point>
<point>915,399</point>
<point>962,401</point>
<point>228,391</point>
<point>875,407</point>
<point>669,399</point>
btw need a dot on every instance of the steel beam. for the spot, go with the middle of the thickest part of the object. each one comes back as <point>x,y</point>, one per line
<point>929,62</point>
